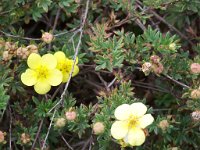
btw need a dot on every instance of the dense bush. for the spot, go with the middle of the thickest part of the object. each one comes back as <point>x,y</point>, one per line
<point>75,74</point>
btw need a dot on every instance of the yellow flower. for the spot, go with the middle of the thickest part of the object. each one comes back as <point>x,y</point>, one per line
<point>42,73</point>
<point>65,65</point>
<point>131,120</point>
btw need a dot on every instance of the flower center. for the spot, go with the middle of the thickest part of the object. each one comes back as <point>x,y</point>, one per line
<point>63,67</point>
<point>42,72</point>
<point>133,122</point>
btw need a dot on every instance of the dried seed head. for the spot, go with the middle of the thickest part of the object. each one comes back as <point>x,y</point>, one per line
<point>196,115</point>
<point>195,94</point>
<point>47,37</point>
<point>32,48</point>
<point>70,115</point>
<point>98,128</point>
<point>163,125</point>
<point>25,138</point>
<point>146,68</point>
<point>195,68</point>
<point>60,122</point>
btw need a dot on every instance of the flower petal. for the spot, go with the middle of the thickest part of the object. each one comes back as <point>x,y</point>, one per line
<point>49,61</point>
<point>146,120</point>
<point>29,77</point>
<point>60,56</point>
<point>65,77</point>
<point>123,112</point>
<point>42,87</point>
<point>55,77</point>
<point>34,61</point>
<point>76,71</point>
<point>138,109</point>
<point>119,129</point>
<point>135,137</point>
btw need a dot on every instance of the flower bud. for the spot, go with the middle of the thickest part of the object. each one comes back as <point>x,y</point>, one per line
<point>60,122</point>
<point>2,137</point>
<point>158,68</point>
<point>174,148</point>
<point>32,48</point>
<point>25,138</point>
<point>70,115</point>
<point>195,68</point>
<point>98,128</point>
<point>155,59</point>
<point>23,52</point>
<point>6,56</point>
<point>163,124</point>
<point>172,46</point>
<point>195,94</point>
<point>47,37</point>
<point>146,68</point>
<point>196,115</point>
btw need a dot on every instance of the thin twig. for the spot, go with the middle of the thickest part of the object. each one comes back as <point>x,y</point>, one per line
<point>17,36</point>
<point>66,142</point>
<point>70,76</point>
<point>49,128</point>
<point>55,24</point>
<point>182,84</point>
<point>10,129</point>
<point>112,82</point>
<point>37,134</point>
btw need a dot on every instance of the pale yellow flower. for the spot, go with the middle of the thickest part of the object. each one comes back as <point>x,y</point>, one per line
<point>42,73</point>
<point>131,120</point>
<point>65,65</point>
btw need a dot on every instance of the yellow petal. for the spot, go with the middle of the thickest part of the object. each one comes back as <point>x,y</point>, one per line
<point>76,71</point>
<point>146,120</point>
<point>119,129</point>
<point>60,56</point>
<point>54,77</point>
<point>29,77</point>
<point>138,109</point>
<point>123,112</point>
<point>34,61</point>
<point>135,137</point>
<point>49,61</point>
<point>42,87</point>
<point>65,77</point>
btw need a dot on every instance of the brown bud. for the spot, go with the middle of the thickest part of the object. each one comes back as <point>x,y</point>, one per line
<point>195,94</point>
<point>25,138</point>
<point>195,68</point>
<point>163,124</point>
<point>98,128</point>
<point>60,122</point>
<point>70,115</point>
<point>47,37</point>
